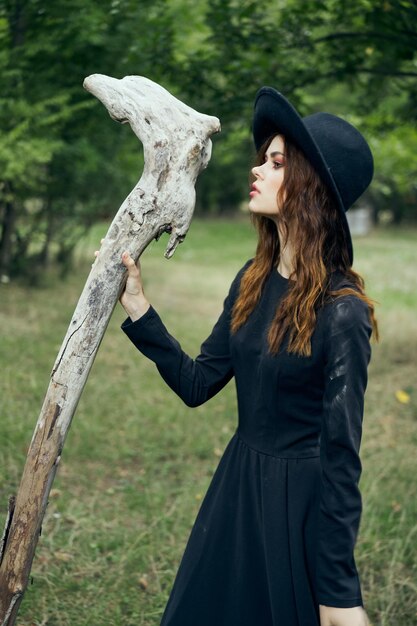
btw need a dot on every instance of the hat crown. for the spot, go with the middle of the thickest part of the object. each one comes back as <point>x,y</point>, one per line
<point>347,155</point>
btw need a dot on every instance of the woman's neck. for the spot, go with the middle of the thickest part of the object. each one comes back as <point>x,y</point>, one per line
<point>285,266</point>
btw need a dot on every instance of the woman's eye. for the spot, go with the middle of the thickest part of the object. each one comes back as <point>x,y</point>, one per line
<point>277,165</point>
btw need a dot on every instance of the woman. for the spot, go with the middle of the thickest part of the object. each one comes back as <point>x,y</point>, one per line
<point>273,542</point>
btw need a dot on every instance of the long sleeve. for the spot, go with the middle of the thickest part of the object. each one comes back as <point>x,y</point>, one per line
<point>194,380</point>
<point>347,355</point>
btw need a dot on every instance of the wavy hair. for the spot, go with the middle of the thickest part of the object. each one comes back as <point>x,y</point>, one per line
<point>310,219</point>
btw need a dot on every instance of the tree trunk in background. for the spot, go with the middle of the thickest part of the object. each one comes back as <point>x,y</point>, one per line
<point>8,224</point>
<point>49,232</point>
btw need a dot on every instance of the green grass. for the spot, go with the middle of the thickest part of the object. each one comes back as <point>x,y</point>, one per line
<point>137,461</point>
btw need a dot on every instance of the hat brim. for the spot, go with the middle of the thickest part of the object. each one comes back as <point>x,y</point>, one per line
<point>274,114</point>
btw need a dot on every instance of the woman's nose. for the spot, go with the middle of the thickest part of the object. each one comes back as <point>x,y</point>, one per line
<point>256,171</point>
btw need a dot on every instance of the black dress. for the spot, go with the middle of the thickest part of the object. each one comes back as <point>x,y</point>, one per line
<point>276,531</point>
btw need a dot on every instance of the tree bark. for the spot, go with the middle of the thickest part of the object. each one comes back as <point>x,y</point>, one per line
<point>176,148</point>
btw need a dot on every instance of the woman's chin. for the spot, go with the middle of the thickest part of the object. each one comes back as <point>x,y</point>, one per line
<point>253,208</point>
<point>258,210</point>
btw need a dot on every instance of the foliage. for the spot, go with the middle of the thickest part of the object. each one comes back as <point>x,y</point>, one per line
<point>57,164</point>
<point>64,164</point>
<point>356,59</point>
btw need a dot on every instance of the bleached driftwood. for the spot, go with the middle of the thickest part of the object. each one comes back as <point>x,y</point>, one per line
<point>177,146</point>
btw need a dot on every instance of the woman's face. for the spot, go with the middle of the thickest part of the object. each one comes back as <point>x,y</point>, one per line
<point>269,177</point>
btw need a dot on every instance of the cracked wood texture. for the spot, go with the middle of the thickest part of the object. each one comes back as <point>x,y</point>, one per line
<point>177,146</point>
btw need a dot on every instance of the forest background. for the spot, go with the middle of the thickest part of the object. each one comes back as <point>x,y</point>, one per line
<point>64,164</point>
<point>137,462</point>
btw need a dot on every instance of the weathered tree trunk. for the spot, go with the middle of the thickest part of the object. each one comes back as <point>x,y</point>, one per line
<point>176,148</point>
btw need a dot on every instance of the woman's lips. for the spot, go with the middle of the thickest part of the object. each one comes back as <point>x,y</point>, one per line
<point>253,191</point>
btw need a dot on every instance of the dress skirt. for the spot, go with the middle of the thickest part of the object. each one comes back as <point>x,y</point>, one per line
<point>250,558</point>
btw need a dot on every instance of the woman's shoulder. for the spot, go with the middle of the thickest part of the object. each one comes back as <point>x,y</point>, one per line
<point>247,264</point>
<point>339,280</point>
<point>345,311</point>
<point>242,270</point>
<point>235,285</point>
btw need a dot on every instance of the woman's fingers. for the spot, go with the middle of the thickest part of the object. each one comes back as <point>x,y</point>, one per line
<point>134,278</point>
<point>97,252</point>
<point>128,262</point>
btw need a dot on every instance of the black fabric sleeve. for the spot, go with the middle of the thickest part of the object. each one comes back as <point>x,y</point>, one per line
<point>347,355</point>
<point>194,380</point>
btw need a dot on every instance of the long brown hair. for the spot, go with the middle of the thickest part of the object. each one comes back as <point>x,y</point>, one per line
<point>311,218</point>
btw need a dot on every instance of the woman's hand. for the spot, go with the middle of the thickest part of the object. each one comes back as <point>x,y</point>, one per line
<point>132,298</point>
<point>334,616</point>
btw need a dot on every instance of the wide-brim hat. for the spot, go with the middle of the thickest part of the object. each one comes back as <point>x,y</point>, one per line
<point>335,148</point>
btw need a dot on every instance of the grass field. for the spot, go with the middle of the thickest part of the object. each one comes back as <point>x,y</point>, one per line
<point>137,462</point>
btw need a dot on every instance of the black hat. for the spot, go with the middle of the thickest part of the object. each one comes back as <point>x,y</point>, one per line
<point>335,148</point>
